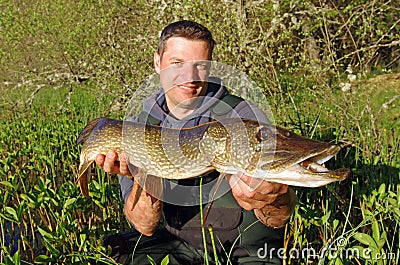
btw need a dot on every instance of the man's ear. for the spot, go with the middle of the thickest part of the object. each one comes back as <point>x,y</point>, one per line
<point>157,62</point>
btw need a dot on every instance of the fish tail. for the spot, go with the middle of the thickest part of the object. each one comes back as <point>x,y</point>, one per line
<point>84,177</point>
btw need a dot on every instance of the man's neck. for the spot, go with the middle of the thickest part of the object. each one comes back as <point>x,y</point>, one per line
<point>180,113</point>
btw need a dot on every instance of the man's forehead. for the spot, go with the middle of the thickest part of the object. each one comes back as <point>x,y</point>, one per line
<point>172,43</point>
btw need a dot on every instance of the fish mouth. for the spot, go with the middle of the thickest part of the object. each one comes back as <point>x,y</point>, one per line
<point>316,163</point>
<point>308,170</point>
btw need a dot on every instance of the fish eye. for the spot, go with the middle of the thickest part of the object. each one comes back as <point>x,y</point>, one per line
<point>264,134</point>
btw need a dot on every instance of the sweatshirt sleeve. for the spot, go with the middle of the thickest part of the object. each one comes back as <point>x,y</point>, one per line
<point>126,185</point>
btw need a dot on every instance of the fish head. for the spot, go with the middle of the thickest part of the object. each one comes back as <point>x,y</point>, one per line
<point>291,159</point>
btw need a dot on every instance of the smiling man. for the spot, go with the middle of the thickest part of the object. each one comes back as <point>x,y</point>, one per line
<point>183,68</point>
<point>244,219</point>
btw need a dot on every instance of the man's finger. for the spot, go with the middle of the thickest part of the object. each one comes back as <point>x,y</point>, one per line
<point>124,167</point>
<point>262,186</point>
<point>240,189</point>
<point>100,160</point>
<point>109,162</point>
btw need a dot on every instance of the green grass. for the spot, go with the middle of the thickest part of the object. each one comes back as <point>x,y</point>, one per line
<point>64,63</point>
<point>39,160</point>
<point>38,166</point>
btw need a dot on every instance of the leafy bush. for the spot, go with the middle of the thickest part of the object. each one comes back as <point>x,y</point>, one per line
<point>64,63</point>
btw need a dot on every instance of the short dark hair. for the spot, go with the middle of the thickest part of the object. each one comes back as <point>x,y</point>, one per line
<point>186,29</point>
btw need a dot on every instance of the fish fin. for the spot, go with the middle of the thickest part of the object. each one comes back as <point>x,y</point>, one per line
<point>84,134</point>
<point>93,125</point>
<point>220,162</point>
<point>141,180</point>
<point>84,177</point>
<point>84,184</point>
<point>154,186</point>
<point>150,184</point>
<point>219,181</point>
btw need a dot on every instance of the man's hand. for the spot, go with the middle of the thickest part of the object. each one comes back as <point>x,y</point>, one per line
<point>273,203</point>
<point>111,164</point>
<point>146,214</point>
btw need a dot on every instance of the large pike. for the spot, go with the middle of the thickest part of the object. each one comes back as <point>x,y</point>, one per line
<point>230,146</point>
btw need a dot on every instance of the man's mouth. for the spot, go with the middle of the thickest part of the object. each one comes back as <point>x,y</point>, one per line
<point>188,88</point>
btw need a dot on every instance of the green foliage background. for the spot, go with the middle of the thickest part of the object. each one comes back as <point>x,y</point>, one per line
<point>329,69</point>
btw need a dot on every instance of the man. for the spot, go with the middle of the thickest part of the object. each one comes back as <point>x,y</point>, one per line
<point>244,220</point>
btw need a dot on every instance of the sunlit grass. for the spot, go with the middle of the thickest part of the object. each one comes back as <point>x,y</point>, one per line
<point>43,208</point>
<point>64,63</point>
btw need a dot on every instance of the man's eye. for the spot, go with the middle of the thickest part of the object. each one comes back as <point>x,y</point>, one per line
<point>177,64</point>
<point>202,66</point>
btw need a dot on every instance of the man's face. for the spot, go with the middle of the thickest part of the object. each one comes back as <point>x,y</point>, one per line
<point>183,69</point>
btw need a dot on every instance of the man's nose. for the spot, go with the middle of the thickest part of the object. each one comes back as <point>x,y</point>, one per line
<point>189,72</point>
